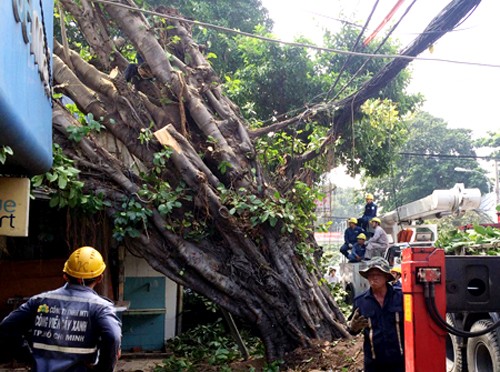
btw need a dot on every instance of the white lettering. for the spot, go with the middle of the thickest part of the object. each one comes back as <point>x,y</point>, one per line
<point>79,326</point>
<point>41,321</point>
<point>33,34</point>
<point>54,323</point>
<point>66,324</point>
<point>78,338</point>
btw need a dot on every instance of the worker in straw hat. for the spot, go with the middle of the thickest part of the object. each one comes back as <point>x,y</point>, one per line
<point>73,328</point>
<point>378,313</point>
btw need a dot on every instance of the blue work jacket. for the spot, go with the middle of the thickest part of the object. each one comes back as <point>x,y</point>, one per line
<point>384,338</point>
<point>73,328</point>
<point>357,250</point>
<point>351,235</point>
<point>370,211</point>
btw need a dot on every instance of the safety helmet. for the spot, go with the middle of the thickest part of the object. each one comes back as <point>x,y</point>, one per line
<point>361,236</point>
<point>369,197</point>
<point>396,269</point>
<point>377,263</point>
<point>352,220</point>
<point>376,219</point>
<point>84,263</point>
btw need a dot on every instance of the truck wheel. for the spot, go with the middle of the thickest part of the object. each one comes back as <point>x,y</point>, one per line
<point>483,352</point>
<point>454,356</point>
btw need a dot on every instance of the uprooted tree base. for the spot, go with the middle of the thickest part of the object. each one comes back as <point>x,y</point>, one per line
<point>338,356</point>
<point>202,210</point>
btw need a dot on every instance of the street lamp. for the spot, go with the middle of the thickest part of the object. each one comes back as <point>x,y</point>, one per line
<point>465,170</point>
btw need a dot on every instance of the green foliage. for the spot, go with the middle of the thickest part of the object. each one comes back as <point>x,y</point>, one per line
<point>170,201</point>
<point>146,134</point>
<point>378,134</point>
<point>160,159</point>
<point>482,240</point>
<point>243,15</point>
<point>273,78</point>
<point>414,177</point>
<point>88,125</point>
<point>280,81</point>
<point>4,152</point>
<point>275,148</point>
<point>292,212</point>
<point>273,366</point>
<point>331,64</point>
<point>492,140</point>
<point>210,344</point>
<point>340,296</point>
<point>131,220</point>
<point>64,187</point>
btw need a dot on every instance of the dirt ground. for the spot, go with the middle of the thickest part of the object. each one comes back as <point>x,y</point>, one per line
<point>338,356</point>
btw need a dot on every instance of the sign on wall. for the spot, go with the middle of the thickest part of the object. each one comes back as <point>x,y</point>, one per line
<point>26,29</point>
<point>14,206</point>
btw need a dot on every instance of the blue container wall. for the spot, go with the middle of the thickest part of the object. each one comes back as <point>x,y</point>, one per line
<point>144,322</point>
<point>25,100</point>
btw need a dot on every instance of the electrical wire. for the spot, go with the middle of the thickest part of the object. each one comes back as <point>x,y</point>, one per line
<point>356,43</point>
<point>296,44</point>
<point>430,303</point>
<point>382,43</point>
<point>448,156</point>
<point>353,24</point>
<point>383,23</point>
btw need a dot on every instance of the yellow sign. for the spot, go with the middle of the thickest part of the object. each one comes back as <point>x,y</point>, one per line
<point>407,307</point>
<point>14,206</point>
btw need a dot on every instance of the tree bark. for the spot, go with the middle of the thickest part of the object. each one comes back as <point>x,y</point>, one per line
<point>258,272</point>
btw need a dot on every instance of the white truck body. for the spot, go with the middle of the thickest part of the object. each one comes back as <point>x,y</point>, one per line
<point>440,203</point>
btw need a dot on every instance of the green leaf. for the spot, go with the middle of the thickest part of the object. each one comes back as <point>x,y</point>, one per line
<point>62,182</point>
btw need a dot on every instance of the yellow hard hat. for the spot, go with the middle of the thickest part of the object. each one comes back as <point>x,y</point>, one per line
<point>369,196</point>
<point>396,269</point>
<point>84,263</point>
<point>361,236</point>
<point>375,219</point>
<point>353,220</point>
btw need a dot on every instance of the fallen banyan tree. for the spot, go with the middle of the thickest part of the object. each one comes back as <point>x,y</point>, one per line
<point>176,167</point>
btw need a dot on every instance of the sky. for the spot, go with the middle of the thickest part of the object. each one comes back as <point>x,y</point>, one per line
<point>464,96</point>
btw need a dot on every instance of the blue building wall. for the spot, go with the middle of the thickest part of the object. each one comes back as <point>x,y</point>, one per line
<point>25,98</point>
<point>144,322</point>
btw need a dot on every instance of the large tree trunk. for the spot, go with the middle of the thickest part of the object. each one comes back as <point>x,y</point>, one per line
<point>260,272</point>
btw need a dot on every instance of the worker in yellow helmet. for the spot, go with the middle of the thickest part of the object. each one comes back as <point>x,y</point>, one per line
<point>396,273</point>
<point>350,236</point>
<point>368,214</point>
<point>358,250</point>
<point>377,245</point>
<point>73,328</point>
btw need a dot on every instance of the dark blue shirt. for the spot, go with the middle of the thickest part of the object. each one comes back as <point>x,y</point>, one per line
<point>384,339</point>
<point>351,235</point>
<point>370,211</point>
<point>357,250</point>
<point>72,326</point>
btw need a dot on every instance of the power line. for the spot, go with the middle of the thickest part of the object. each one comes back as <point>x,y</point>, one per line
<point>447,156</point>
<point>353,24</point>
<point>295,44</point>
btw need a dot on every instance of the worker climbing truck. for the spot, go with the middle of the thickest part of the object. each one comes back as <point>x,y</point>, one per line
<point>472,305</point>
